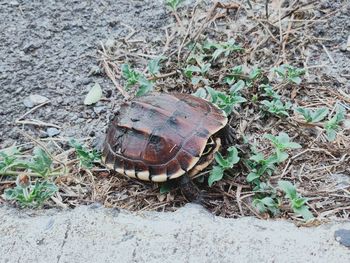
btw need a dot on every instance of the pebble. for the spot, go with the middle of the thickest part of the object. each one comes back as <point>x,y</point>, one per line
<point>52,132</point>
<point>100,109</point>
<point>33,100</point>
<point>343,237</point>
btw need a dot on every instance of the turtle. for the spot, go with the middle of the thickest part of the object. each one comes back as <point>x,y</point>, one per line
<point>159,137</point>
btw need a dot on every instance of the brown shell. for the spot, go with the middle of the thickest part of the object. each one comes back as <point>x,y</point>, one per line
<point>160,136</point>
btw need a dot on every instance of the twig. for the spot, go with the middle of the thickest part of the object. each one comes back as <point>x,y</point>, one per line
<point>37,123</point>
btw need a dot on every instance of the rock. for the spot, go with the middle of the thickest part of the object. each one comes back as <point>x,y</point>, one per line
<point>52,132</point>
<point>100,109</point>
<point>33,100</point>
<point>343,237</point>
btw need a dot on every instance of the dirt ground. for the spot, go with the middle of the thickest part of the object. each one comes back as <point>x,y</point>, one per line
<point>50,48</point>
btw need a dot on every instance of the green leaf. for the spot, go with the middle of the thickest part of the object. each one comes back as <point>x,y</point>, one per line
<point>200,93</point>
<point>94,95</point>
<point>331,134</point>
<point>41,163</point>
<point>304,212</point>
<point>145,86</point>
<point>255,73</point>
<point>216,174</point>
<point>232,156</point>
<point>131,76</point>
<point>190,69</point>
<point>319,114</point>
<point>173,4</point>
<point>220,160</point>
<point>237,87</point>
<point>288,188</point>
<point>153,66</point>
<point>252,176</point>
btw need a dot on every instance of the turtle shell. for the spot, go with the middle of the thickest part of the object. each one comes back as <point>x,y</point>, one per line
<point>160,136</point>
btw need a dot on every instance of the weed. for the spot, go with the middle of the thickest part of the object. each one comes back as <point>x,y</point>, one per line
<point>333,125</point>
<point>267,204</point>
<point>281,142</point>
<point>269,91</point>
<point>224,101</point>
<point>153,66</point>
<point>235,75</point>
<point>225,48</point>
<point>30,195</point>
<point>86,157</point>
<point>313,116</point>
<point>297,202</point>
<point>133,77</point>
<point>289,73</point>
<point>223,164</point>
<point>276,107</point>
<point>173,4</point>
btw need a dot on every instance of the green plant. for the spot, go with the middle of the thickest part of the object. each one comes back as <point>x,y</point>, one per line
<point>277,107</point>
<point>86,157</point>
<point>267,204</point>
<point>297,202</point>
<point>313,116</point>
<point>30,195</point>
<point>173,4</point>
<point>223,164</point>
<point>153,66</point>
<point>133,77</point>
<point>269,91</point>
<point>224,101</point>
<point>40,163</point>
<point>289,73</point>
<point>281,142</point>
<point>234,75</point>
<point>333,125</point>
<point>259,166</point>
<point>225,48</point>
<point>8,158</point>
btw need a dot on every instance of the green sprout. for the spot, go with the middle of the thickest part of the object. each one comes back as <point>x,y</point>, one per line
<point>223,164</point>
<point>333,125</point>
<point>313,116</point>
<point>30,195</point>
<point>173,4</point>
<point>86,157</point>
<point>277,107</point>
<point>289,73</point>
<point>297,202</point>
<point>225,48</point>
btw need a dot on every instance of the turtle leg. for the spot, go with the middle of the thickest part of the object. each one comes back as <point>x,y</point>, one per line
<point>228,136</point>
<point>189,190</point>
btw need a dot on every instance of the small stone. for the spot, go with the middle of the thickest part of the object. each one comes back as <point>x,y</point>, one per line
<point>34,99</point>
<point>52,132</point>
<point>343,237</point>
<point>28,103</point>
<point>100,109</point>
